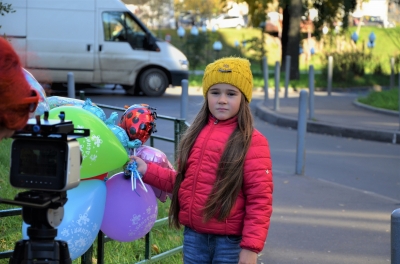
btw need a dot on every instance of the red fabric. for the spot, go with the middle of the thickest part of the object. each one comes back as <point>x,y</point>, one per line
<point>98,177</point>
<point>250,216</point>
<point>13,87</point>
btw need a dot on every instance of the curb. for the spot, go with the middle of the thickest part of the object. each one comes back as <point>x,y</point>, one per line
<point>274,118</point>
<point>374,109</point>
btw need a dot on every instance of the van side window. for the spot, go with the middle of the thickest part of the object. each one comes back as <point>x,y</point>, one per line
<point>121,27</point>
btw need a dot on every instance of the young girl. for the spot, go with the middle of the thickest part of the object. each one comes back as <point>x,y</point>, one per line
<point>222,188</point>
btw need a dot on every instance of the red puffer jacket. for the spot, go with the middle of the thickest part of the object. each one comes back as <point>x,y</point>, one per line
<point>250,216</point>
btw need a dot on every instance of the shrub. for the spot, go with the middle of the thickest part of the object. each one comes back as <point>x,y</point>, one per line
<point>348,64</point>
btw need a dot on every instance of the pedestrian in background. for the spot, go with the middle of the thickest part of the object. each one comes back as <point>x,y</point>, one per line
<point>17,98</point>
<point>222,188</point>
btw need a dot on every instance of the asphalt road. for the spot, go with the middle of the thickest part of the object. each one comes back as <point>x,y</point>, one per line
<point>361,164</point>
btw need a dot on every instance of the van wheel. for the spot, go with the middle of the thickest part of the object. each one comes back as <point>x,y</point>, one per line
<point>153,82</point>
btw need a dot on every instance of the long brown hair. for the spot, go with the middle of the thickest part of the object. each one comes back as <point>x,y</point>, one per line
<point>230,168</point>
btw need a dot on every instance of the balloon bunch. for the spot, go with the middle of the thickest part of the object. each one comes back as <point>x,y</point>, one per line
<point>123,210</point>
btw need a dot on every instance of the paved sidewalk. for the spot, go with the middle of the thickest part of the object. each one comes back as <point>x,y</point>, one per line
<point>337,115</point>
<point>319,222</point>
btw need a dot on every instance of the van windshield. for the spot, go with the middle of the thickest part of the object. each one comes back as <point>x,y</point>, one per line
<point>121,27</point>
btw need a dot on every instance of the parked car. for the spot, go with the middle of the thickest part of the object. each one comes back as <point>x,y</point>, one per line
<point>186,19</point>
<point>227,21</point>
<point>372,21</point>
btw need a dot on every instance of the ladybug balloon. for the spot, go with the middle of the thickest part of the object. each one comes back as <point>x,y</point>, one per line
<point>138,122</point>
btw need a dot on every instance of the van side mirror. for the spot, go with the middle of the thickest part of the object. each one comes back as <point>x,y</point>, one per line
<point>151,42</point>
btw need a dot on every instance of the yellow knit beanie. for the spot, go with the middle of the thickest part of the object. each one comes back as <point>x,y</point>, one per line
<point>230,70</point>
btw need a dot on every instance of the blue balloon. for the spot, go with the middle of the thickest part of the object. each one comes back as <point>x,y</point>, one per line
<point>83,214</point>
<point>94,109</point>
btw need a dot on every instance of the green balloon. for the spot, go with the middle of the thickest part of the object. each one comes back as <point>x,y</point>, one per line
<point>101,151</point>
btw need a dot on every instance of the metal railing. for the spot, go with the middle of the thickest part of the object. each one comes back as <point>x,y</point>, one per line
<point>180,125</point>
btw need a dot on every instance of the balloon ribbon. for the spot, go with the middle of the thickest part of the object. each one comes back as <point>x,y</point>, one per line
<point>132,167</point>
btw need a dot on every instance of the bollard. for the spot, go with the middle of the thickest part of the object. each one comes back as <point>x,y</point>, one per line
<point>391,73</point>
<point>71,85</point>
<point>277,79</point>
<point>265,74</point>
<point>287,75</point>
<point>399,100</point>
<point>395,236</point>
<point>311,88</point>
<point>82,95</point>
<point>301,133</point>
<point>184,98</point>
<point>330,73</point>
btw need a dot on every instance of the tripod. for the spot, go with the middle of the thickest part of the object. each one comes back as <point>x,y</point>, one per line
<point>43,211</point>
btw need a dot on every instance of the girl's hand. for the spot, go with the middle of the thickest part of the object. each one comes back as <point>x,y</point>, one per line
<point>247,257</point>
<point>141,165</point>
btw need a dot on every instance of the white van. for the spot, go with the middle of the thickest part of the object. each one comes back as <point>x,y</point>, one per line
<point>100,41</point>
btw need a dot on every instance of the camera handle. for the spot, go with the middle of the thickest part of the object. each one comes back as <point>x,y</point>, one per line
<point>44,212</point>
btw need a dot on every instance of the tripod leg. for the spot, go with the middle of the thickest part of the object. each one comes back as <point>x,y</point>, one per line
<point>64,252</point>
<point>41,252</point>
<point>18,253</point>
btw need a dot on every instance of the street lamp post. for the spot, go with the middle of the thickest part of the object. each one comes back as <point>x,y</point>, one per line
<point>371,42</point>
<point>217,46</point>
<point>325,31</point>
<point>237,46</point>
<point>354,38</point>
<point>181,32</point>
<point>194,31</point>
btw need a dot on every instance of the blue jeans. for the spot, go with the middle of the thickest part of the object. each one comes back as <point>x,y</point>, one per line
<point>205,248</point>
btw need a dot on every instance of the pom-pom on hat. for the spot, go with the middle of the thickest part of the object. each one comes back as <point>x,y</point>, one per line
<point>230,70</point>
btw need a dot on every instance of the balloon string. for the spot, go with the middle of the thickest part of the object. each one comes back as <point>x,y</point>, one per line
<point>135,175</point>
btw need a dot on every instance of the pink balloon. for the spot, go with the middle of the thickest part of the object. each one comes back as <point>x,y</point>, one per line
<point>150,154</point>
<point>128,214</point>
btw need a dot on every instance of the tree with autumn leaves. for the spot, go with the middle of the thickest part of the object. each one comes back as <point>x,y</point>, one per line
<point>329,13</point>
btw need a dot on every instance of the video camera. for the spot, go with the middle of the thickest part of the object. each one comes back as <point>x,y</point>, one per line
<point>46,160</point>
<point>45,155</point>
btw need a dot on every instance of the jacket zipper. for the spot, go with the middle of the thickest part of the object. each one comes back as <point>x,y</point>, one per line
<point>197,173</point>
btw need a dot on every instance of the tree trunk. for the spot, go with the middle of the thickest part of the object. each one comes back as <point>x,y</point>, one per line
<point>285,36</point>
<point>291,37</point>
